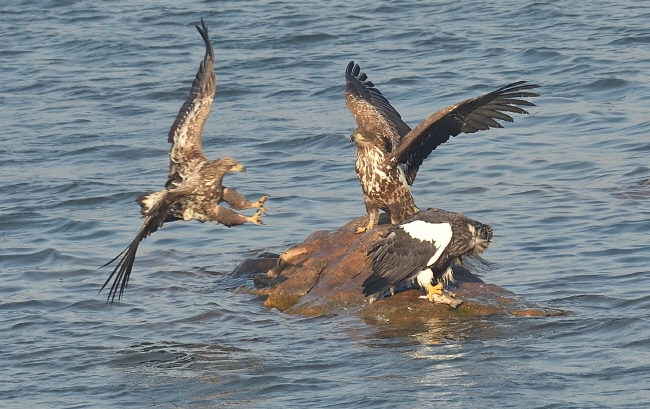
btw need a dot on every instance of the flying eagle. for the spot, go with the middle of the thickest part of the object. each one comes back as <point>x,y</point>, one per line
<point>389,152</point>
<point>194,187</point>
<point>422,249</point>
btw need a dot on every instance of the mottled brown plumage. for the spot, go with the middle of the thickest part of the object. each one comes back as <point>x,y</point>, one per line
<point>194,188</point>
<point>389,152</point>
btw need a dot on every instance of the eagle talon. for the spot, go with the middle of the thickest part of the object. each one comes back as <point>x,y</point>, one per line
<point>260,203</point>
<point>434,290</point>
<point>256,219</point>
<point>368,227</point>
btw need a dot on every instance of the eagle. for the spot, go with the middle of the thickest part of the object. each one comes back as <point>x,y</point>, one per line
<point>194,187</point>
<point>389,152</point>
<point>422,249</point>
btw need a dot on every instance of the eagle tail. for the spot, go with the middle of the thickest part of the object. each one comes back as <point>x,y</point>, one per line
<point>122,271</point>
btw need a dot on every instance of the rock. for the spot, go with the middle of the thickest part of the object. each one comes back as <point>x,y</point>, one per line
<point>323,275</point>
<point>262,263</point>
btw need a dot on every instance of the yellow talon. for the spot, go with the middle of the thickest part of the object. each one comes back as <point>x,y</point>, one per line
<point>433,290</point>
<point>364,229</point>
<point>256,219</point>
<point>260,203</point>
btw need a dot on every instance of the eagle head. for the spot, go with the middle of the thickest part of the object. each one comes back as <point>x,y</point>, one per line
<point>363,137</point>
<point>370,139</point>
<point>482,236</point>
<point>356,136</point>
<point>224,165</point>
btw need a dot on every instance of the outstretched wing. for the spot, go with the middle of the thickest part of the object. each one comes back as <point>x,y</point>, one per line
<point>185,133</point>
<point>370,109</point>
<point>158,205</point>
<point>476,114</point>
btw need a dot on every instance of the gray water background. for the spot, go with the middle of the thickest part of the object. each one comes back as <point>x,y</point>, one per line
<point>88,91</point>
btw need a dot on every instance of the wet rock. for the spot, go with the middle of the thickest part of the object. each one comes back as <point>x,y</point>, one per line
<point>261,263</point>
<point>323,275</point>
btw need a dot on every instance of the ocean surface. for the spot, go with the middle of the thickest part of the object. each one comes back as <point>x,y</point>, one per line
<point>88,91</point>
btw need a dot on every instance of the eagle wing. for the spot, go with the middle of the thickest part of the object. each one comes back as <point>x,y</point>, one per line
<point>370,109</point>
<point>158,206</point>
<point>476,114</point>
<point>397,257</point>
<point>185,133</point>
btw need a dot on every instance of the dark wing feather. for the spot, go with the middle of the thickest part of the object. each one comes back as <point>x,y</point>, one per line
<point>185,133</point>
<point>463,241</point>
<point>370,109</point>
<point>476,114</point>
<point>394,259</point>
<point>154,219</point>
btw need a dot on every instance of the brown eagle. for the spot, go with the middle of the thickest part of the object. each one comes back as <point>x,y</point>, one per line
<point>194,187</point>
<point>389,152</point>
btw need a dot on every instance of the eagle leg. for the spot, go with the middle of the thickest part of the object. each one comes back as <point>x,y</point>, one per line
<point>239,202</point>
<point>373,218</point>
<point>229,218</point>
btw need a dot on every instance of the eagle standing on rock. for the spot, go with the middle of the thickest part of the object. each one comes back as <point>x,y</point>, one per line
<point>389,152</point>
<point>422,248</point>
<point>194,188</point>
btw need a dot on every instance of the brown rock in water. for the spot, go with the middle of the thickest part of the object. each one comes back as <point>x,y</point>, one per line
<point>324,275</point>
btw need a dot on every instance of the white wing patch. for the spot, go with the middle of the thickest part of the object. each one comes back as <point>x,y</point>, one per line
<point>433,232</point>
<point>149,201</point>
<point>436,233</point>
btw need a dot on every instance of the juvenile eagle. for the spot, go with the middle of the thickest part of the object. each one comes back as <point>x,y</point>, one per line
<point>422,248</point>
<point>194,187</point>
<point>389,152</point>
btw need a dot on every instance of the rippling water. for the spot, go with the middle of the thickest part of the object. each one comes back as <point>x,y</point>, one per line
<point>88,91</point>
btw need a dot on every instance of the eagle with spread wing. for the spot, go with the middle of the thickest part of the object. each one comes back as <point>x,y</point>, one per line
<point>389,152</point>
<point>194,187</point>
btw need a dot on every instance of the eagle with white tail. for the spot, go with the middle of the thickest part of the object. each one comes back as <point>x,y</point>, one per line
<point>422,249</point>
<point>194,187</point>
